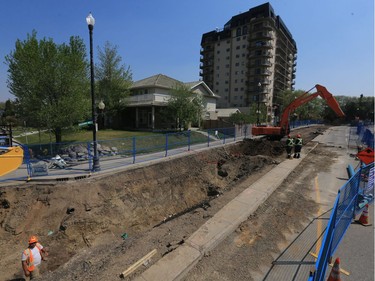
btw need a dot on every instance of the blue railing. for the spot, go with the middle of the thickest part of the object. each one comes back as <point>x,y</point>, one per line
<point>365,133</point>
<point>127,151</point>
<point>350,201</point>
<point>124,151</point>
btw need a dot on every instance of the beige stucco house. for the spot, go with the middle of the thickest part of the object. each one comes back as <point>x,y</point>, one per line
<point>148,96</point>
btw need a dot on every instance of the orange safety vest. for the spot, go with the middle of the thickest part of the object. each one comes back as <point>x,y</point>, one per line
<point>30,259</point>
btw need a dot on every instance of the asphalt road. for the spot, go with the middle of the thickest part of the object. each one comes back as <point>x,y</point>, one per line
<point>356,250</point>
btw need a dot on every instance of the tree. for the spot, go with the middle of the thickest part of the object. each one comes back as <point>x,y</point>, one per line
<point>9,114</point>
<point>240,118</point>
<point>185,106</point>
<point>354,107</point>
<point>50,82</point>
<point>114,79</point>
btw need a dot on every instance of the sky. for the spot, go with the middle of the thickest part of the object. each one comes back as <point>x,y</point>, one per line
<point>335,38</point>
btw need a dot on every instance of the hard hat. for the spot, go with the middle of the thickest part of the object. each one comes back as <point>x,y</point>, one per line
<point>298,136</point>
<point>33,239</point>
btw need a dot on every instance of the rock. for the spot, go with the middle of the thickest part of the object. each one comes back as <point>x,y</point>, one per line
<point>4,203</point>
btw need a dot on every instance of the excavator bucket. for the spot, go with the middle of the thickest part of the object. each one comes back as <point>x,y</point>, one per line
<point>10,159</point>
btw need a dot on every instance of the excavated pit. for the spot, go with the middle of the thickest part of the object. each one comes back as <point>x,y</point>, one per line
<point>119,212</point>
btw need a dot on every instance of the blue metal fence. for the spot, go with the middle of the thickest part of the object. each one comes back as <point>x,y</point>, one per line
<point>117,153</point>
<point>300,123</point>
<point>350,201</point>
<point>365,133</point>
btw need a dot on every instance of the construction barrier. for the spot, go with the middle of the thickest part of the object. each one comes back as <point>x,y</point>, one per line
<point>117,153</point>
<point>363,134</point>
<point>351,200</point>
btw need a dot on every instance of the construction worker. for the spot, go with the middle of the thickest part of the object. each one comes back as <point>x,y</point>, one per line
<point>289,146</point>
<point>297,146</point>
<point>32,258</point>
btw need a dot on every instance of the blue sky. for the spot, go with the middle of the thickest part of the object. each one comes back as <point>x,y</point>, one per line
<point>335,38</point>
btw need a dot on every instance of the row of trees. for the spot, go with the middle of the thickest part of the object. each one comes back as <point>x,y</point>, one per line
<point>52,88</point>
<point>51,82</point>
<point>355,108</point>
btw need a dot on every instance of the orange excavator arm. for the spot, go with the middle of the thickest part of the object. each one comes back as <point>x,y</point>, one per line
<point>283,129</point>
<point>305,98</point>
<point>10,159</point>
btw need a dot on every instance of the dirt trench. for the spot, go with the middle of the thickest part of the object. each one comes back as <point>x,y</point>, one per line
<point>94,229</point>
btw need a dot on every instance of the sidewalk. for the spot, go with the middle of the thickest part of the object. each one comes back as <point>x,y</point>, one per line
<point>177,264</point>
<point>80,170</point>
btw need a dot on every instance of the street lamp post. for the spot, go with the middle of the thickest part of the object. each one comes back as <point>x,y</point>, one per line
<point>101,106</point>
<point>294,119</point>
<point>96,166</point>
<point>258,111</point>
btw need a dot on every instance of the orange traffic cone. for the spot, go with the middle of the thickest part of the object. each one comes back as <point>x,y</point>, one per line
<point>363,219</point>
<point>335,272</point>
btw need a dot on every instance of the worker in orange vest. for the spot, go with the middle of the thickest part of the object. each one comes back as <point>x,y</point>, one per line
<point>32,258</point>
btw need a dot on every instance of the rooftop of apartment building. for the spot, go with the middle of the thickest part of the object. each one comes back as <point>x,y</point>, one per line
<point>262,11</point>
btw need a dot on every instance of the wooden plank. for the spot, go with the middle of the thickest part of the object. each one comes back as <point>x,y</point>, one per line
<point>138,264</point>
<point>331,265</point>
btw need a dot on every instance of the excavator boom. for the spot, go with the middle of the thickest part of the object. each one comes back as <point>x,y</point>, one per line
<point>283,129</point>
<point>10,159</point>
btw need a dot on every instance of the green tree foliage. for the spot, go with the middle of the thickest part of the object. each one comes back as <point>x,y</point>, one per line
<point>49,81</point>
<point>240,118</point>
<point>184,106</point>
<point>114,79</point>
<point>8,113</point>
<point>360,107</point>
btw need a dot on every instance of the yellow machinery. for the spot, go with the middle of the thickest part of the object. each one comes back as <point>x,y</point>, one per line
<point>10,159</point>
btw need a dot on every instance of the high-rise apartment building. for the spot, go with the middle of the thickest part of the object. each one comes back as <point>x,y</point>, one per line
<point>251,60</point>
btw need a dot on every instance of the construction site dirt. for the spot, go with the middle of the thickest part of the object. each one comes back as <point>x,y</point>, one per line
<point>96,228</point>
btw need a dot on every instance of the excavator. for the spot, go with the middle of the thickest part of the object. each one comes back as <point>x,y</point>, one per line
<point>283,129</point>
<point>10,159</point>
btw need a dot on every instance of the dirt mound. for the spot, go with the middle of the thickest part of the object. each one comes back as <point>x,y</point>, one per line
<point>264,147</point>
<point>87,224</point>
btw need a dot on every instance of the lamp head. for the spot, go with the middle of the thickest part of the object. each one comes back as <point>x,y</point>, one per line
<point>101,105</point>
<point>90,20</point>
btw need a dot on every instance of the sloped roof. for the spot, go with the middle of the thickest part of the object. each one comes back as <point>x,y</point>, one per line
<point>192,84</point>
<point>166,82</point>
<point>159,80</point>
<point>226,112</point>
<point>195,84</point>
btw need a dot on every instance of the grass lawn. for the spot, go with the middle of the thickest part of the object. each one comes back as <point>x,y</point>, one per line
<point>78,136</point>
<point>124,141</point>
